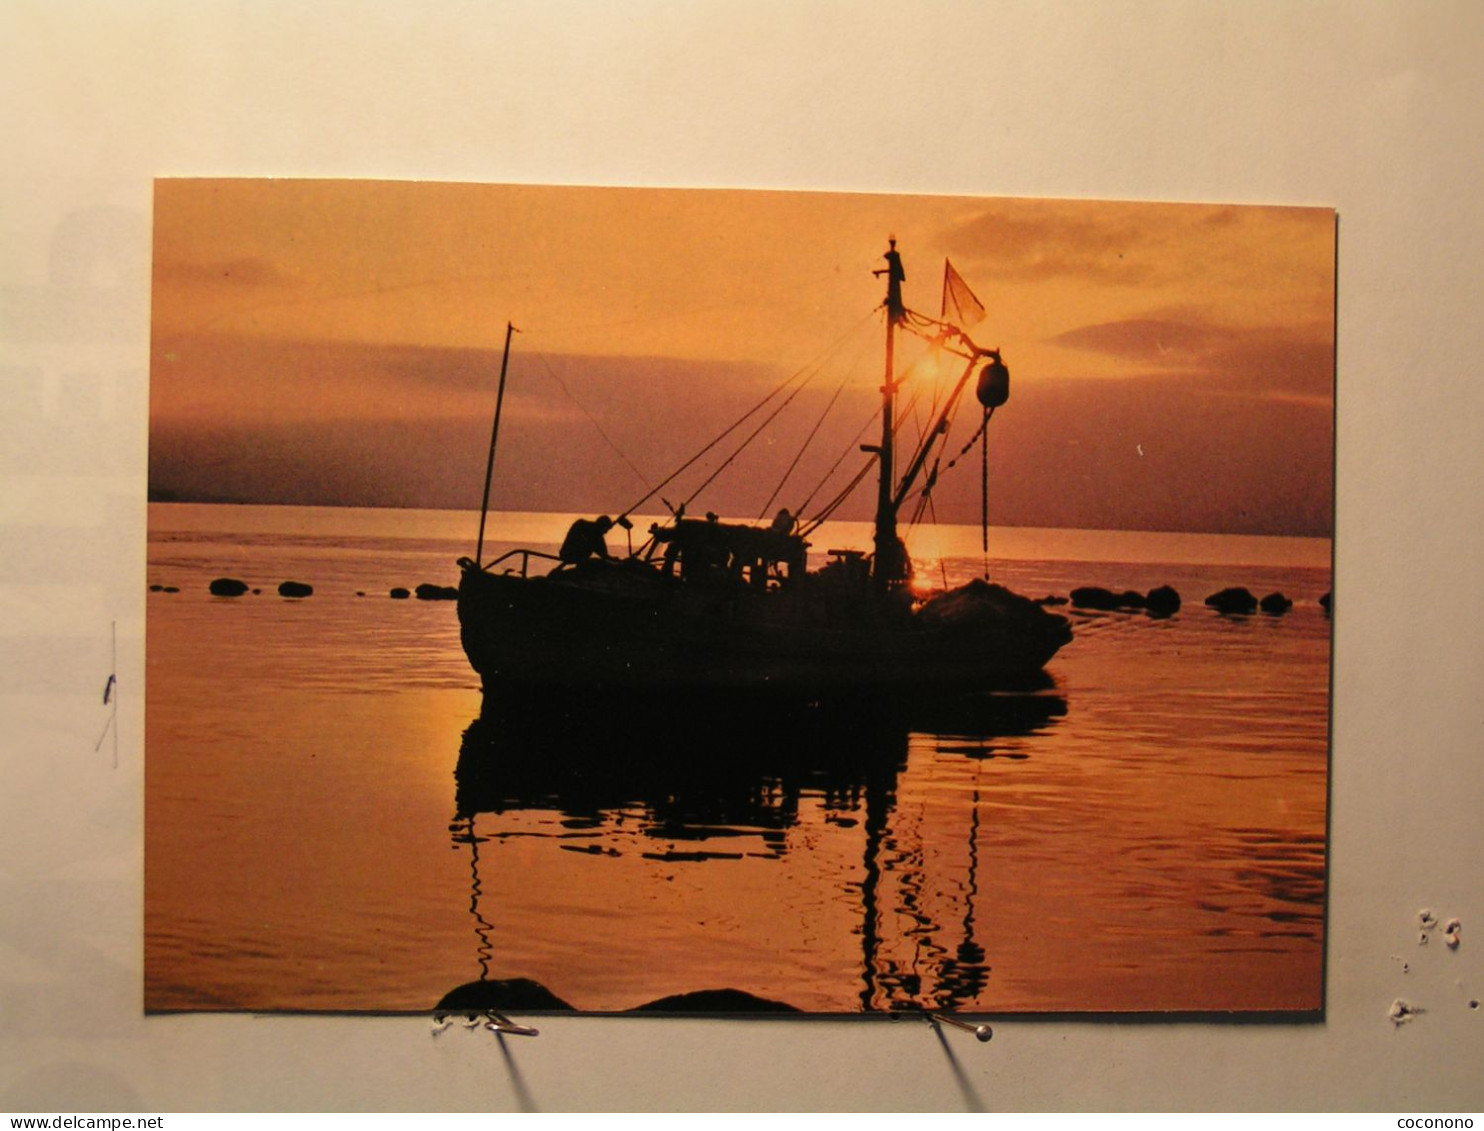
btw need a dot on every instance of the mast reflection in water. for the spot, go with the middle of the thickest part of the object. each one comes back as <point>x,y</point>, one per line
<point>786,816</point>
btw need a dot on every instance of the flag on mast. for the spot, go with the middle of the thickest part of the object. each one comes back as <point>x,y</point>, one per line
<point>960,307</point>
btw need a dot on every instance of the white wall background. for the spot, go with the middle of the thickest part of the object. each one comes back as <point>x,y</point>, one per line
<point>1373,108</point>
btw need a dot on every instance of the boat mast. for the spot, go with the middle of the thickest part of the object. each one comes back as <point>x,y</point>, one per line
<point>489,467</point>
<point>891,558</point>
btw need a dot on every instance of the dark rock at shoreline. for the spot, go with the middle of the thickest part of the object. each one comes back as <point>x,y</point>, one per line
<point>294,589</point>
<point>227,587</point>
<point>1162,601</point>
<point>1050,600</point>
<point>399,594</point>
<point>1105,600</point>
<point>170,589</point>
<point>501,993</point>
<point>1324,602</point>
<point>715,1001</point>
<point>1233,600</point>
<point>429,592</point>
<point>156,588</point>
<point>1275,604</point>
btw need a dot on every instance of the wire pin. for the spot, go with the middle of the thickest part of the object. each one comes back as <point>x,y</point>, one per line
<point>499,1023</point>
<point>488,1018</point>
<point>981,1032</point>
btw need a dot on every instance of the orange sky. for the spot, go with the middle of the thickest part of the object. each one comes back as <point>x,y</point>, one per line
<point>338,341</point>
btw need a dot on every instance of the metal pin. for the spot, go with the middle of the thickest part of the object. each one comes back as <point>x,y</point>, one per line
<point>488,1018</point>
<point>982,1032</point>
<point>499,1023</point>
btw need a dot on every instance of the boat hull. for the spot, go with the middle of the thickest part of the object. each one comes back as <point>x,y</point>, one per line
<point>627,627</point>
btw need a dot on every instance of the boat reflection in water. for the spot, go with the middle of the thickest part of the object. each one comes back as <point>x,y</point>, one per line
<point>728,784</point>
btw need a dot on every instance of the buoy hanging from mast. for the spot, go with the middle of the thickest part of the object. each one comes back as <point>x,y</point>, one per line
<point>993,388</point>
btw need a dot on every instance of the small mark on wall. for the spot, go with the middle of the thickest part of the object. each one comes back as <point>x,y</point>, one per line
<point>1453,933</point>
<point>1401,1012</point>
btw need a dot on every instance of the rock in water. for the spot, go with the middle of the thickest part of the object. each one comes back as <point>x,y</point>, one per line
<point>295,589</point>
<point>1275,604</point>
<point>1162,601</point>
<point>399,594</point>
<point>1094,597</point>
<point>430,592</point>
<point>1233,600</point>
<point>227,587</point>
<point>715,1001</point>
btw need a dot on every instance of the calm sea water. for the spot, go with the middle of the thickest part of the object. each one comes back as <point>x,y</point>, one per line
<point>328,827</point>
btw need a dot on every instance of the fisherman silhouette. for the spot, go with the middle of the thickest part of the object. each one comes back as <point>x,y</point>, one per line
<point>585,540</point>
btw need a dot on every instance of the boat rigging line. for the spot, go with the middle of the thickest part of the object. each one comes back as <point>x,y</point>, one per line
<point>942,565</point>
<point>809,439</point>
<point>931,480</point>
<point>813,365</point>
<point>742,447</point>
<point>984,491</point>
<point>591,419</point>
<point>849,489</point>
<point>834,504</point>
<point>852,447</point>
<point>804,447</point>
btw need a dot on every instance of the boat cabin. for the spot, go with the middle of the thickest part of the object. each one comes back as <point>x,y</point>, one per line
<point>708,550</point>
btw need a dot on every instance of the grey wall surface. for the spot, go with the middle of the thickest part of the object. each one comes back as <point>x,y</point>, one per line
<point>1372,108</point>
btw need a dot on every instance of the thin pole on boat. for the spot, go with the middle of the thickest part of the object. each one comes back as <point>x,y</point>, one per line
<point>489,467</point>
